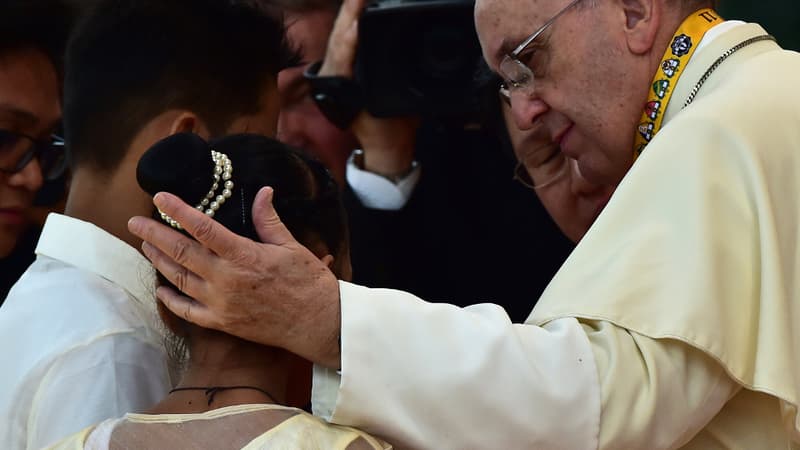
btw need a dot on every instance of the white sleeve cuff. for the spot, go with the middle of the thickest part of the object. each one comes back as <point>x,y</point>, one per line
<point>377,192</point>
<point>324,391</point>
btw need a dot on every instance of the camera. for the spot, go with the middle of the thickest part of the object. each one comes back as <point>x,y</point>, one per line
<point>418,57</point>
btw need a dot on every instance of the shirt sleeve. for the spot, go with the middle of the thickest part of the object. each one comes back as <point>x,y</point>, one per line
<point>377,192</point>
<point>435,376</point>
<point>655,393</point>
<point>424,375</point>
<point>106,378</point>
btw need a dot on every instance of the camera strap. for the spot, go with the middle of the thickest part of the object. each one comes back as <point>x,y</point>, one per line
<point>338,98</point>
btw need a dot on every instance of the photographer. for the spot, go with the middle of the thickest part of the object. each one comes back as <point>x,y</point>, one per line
<point>411,197</point>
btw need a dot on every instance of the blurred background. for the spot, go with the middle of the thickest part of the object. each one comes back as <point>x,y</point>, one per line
<point>780,17</point>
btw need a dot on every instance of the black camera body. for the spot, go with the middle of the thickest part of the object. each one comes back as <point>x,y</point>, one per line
<point>418,58</point>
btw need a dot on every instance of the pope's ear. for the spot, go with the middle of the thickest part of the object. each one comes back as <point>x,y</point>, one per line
<point>642,20</point>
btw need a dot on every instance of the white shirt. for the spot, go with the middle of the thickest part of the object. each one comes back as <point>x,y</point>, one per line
<point>377,192</point>
<point>79,336</point>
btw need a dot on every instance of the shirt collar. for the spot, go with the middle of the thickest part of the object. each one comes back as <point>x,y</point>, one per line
<point>88,247</point>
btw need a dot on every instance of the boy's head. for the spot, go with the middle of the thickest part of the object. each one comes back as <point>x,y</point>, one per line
<point>213,62</point>
<point>140,70</point>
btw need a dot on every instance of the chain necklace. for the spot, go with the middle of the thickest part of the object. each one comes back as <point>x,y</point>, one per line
<point>719,61</point>
<point>211,391</point>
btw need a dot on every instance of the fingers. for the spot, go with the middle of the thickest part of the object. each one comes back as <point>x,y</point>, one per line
<point>208,232</point>
<point>185,307</point>
<point>179,248</point>
<point>343,41</point>
<point>180,276</point>
<point>268,225</point>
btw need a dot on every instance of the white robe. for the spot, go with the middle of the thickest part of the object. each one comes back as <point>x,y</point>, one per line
<point>673,324</point>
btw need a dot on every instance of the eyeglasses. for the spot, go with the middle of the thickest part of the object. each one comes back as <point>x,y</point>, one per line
<point>548,165</point>
<point>518,76</point>
<point>17,150</point>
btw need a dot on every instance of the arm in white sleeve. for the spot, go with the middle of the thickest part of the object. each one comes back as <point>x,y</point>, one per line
<point>377,192</point>
<point>434,376</point>
<point>107,378</point>
<point>428,375</point>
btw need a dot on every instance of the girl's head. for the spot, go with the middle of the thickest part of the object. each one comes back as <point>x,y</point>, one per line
<point>305,196</point>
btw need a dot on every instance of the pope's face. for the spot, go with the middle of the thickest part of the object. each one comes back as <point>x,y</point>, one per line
<point>589,89</point>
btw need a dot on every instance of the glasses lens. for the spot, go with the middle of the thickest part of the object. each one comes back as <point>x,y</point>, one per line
<point>53,159</point>
<point>8,141</point>
<point>518,76</point>
<point>16,151</point>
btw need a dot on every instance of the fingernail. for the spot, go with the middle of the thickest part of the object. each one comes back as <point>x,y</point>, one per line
<point>160,200</point>
<point>135,224</point>
<point>147,248</point>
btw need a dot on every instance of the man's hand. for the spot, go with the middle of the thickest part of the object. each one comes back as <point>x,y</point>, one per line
<point>275,293</point>
<point>388,144</point>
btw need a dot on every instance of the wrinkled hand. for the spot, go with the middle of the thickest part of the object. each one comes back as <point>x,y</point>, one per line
<point>275,293</point>
<point>388,144</point>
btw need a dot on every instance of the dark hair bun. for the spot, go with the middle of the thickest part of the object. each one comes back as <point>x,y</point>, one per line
<point>180,164</point>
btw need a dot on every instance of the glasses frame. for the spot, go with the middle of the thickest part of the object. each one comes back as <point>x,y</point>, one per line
<point>522,175</point>
<point>36,150</point>
<point>524,80</point>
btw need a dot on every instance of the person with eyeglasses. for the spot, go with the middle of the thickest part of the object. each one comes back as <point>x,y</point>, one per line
<point>572,201</point>
<point>405,187</point>
<point>32,39</point>
<point>675,322</point>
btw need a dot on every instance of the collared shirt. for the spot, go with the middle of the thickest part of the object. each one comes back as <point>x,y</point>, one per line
<point>79,336</point>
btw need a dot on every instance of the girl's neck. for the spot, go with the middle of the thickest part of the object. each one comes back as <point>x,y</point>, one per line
<point>218,360</point>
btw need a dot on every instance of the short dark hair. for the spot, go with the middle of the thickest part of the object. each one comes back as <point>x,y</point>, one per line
<point>42,25</point>
<point>130,60</point>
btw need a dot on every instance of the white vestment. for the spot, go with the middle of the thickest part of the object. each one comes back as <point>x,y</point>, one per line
<point>674,324</point>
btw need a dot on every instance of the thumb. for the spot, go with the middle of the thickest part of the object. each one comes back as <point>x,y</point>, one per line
<point>268,225</point>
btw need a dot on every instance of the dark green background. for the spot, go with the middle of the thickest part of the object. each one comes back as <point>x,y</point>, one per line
<point>780,17</point>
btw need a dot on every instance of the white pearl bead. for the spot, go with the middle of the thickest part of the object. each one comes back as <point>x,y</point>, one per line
<point>227,193</point>
<point>214,206</point>
<point>220,200</point>
<point>229,185</point>
<point>210,213</point>
<point>204,202</point>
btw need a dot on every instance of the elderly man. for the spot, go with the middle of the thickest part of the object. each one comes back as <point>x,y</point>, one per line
<point>674,322</point>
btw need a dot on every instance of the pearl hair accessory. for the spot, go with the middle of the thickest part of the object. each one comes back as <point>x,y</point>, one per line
<point>223,170</point>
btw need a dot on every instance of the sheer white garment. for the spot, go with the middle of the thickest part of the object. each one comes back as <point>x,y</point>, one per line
<point>242,427</point>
